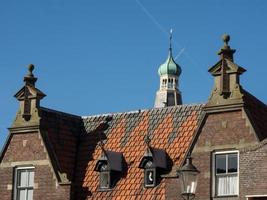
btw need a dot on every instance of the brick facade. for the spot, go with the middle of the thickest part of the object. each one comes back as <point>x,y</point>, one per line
<point>221,132</point>
<point>253,170</point>
<point>28,150</point>
<point>173,191</point>
<point>229,130</point>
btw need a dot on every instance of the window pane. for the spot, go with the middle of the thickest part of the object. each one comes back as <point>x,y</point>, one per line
<point>103,167</point>
<point>232,163</point>
<point>22,178</point>
<point>30,195</point>
<point>104,180</point>
<point>233,185</point>
<point>220,163</point>
<point>31,178</point>
<point>150,177</point>
<point>148,164</point>
<point>227,185</point>
<point>21,195</point>
<point>221,185</point>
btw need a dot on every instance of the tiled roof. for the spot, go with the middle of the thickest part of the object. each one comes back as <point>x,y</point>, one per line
<point>258,112</point>
<point>61,132</point>
<point>170,128</point>
<point>73,144</point>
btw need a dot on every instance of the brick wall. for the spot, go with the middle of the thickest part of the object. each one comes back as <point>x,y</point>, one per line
<point>28,149</point>
<point>173,191</point>
<point>253,170</point>
<point>6,183</point>
<point>222,131</point>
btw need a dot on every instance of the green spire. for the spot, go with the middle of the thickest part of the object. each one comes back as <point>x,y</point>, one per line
<point>170,67</point>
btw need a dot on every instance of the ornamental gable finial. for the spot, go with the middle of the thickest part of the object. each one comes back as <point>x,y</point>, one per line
<point>29,78</point>
<point>227,89</point>
<point>29,97</point>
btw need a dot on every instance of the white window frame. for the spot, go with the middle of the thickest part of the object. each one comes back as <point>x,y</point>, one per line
<point>15,185</point>
<point>214,171</point>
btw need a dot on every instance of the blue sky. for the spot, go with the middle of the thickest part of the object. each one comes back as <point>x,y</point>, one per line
<point>100,56</point>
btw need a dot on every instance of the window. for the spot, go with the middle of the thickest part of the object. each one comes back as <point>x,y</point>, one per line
<point>110,168</point>
<point>24,183</point>
<point>154,163</point>
<point>150,175</point>
<point>104,177</point>
<point>226,173</point>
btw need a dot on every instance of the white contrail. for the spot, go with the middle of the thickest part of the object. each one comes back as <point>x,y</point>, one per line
<point>180,53</point>
<point>151,17</point>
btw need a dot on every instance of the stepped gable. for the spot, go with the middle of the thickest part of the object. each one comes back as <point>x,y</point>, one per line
<point>170,128</point>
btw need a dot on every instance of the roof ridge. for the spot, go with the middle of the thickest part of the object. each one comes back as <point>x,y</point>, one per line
<point>142,110</point>
<point>115,113</point>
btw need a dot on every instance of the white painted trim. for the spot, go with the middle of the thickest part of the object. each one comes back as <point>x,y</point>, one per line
<point>216,152</point>
<point>225,152</point>
<point>24,167</point>
<point>257,195</point>
<point>16,169</point>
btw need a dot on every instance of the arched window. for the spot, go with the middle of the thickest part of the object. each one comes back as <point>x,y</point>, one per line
<point>169,83</point>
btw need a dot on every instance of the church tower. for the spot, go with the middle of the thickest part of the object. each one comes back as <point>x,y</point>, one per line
<point>169,72</point>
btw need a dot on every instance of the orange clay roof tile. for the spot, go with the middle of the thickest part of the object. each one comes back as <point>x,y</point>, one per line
<point>170,128</point>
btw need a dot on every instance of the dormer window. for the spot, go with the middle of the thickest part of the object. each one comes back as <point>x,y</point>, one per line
<point>154,163</point>
<point>109,167</point>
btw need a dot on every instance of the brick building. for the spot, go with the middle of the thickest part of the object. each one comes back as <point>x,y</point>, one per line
<point>136,155</point>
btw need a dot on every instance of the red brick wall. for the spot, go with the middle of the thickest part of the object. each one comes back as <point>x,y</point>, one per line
<point>24,148</point>
<point>222,131</point>
<point>253,170</point>
<point>31,150</point>
<point>172,190</point>
<point>5,179</point>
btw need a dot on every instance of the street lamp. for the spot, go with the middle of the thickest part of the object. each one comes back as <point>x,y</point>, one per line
<point>188,175</point>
